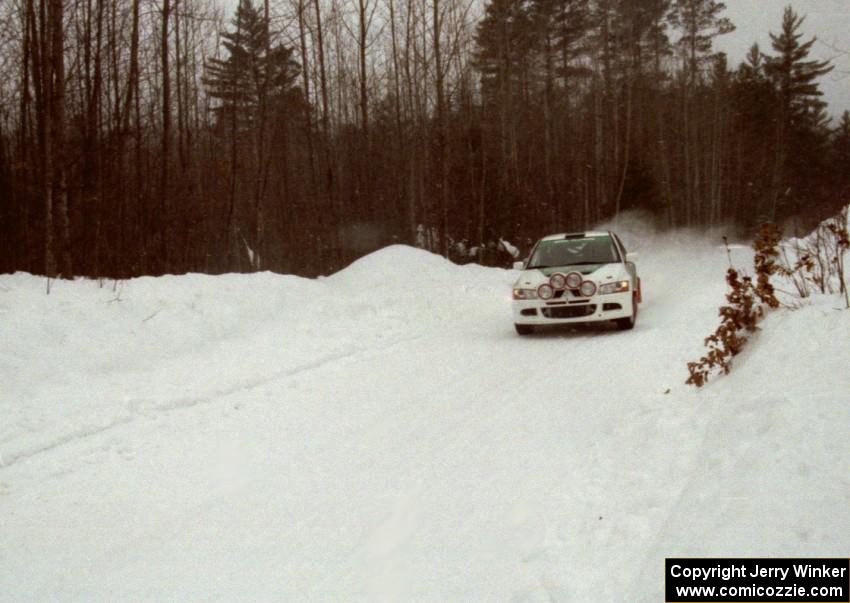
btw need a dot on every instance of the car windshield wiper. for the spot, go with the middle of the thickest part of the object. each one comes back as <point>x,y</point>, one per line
<point>585,263</point>
<point>565,264</point>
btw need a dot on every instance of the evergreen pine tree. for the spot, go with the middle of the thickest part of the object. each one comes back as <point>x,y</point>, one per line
<point>699,22</point>
<point>800,120</point>
<point>252,70</point>
<point>504,39</point>
<point>565,23</point>
<point>754,117</point>
<point>841,156</point>
<point>795,76</point>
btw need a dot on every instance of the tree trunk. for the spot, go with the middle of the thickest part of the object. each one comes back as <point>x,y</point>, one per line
<point>165,146</point>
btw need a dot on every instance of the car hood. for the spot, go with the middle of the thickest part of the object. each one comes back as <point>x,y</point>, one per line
<point>598,273</point>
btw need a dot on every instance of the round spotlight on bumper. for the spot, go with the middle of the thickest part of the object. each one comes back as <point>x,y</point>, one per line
<point>558,280</point>
<point>574,280</point>
<point>545,291</point>
<point>588,288</point>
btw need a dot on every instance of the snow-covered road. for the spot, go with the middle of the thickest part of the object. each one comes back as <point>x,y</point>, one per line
<point>383,435</point>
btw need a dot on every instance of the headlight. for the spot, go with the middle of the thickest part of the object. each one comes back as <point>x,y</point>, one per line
<point>545,291</point>
<point>525,294</point>
<point>588,288</point>
<point>618,287</point>
<point>574,280</point>
<point>557,280</point>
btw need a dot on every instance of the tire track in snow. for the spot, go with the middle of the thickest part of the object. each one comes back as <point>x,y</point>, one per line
<point>149,408</point>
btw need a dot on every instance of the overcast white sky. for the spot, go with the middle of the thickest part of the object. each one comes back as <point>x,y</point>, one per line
<point>829,20</point>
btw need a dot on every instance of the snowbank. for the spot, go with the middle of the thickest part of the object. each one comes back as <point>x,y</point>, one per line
<point>89,356</point>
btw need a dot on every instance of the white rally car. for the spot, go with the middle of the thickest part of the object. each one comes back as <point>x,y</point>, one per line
<point>576,278</point>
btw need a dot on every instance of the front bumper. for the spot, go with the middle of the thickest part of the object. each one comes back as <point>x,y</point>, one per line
<point>573,310</point>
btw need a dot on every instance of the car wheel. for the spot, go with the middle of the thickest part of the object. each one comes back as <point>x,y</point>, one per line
<point>524,329</point>
<point>625,324</point>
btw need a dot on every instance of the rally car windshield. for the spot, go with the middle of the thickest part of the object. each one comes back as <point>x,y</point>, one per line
<point>573,252</point>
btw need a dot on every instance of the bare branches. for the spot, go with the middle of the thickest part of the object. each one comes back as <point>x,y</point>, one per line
<point>454,119</point>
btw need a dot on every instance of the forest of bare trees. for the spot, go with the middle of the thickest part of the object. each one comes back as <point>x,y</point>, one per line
<point>165,136</point>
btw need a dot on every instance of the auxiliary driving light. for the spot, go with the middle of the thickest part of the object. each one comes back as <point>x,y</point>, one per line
<point>574,280</point>
<point>558,280</point>
<point>545,291</point>
<point>588,288</point>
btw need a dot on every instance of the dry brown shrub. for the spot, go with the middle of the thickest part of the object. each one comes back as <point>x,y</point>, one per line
<point>745,307</point>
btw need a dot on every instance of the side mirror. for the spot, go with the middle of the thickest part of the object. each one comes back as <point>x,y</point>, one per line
<point>519,265</point>
<point>632,256</point>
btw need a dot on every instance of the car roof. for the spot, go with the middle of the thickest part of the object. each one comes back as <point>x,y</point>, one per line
<point>588,233</point>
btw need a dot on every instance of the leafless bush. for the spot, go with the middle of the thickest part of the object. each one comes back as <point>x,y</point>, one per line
<point>817,262</point>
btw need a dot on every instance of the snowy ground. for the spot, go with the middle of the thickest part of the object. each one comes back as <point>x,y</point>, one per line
<point>383,435</point>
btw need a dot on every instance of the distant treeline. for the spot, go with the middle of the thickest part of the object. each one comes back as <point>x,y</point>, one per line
<point>155,136</point>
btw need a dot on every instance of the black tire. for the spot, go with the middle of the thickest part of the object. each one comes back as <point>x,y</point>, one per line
<point>628,323</point>
<point>524,329</point>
